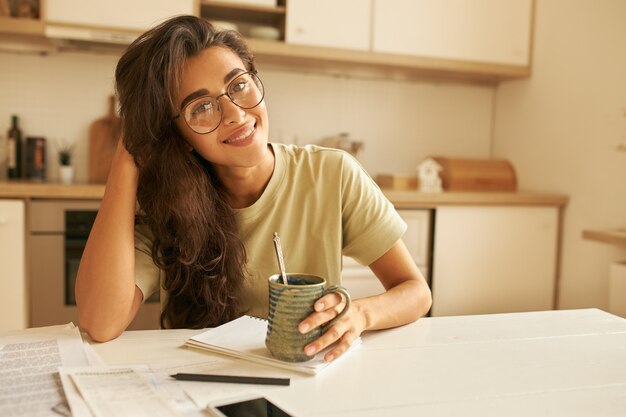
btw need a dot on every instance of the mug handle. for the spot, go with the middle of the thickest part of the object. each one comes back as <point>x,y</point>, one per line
<point>342,290</point>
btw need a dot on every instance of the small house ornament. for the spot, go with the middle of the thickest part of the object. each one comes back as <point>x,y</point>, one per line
<point>428,173</point>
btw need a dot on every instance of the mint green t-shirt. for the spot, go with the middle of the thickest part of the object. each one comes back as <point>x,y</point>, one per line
<point>322,204</point>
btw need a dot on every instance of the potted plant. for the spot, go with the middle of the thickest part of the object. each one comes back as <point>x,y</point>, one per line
<point>66,170</point>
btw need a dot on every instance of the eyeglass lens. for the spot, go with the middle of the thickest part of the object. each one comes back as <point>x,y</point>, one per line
<point>204,114</point>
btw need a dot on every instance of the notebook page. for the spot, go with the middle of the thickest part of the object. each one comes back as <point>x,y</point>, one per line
<point>245,338</point>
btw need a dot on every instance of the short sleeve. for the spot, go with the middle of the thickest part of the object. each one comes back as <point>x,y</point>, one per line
<point>371,225</point>
<point>147,274</point>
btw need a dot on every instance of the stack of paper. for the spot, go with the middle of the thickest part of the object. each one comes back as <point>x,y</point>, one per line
<point>29,360</point>
<point>245,338</point>
<point>114,391</point>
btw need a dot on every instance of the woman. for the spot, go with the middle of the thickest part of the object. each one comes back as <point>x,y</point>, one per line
<point>212,191</point>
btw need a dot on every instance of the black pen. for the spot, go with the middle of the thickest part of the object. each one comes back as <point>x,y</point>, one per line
<point>231,379</point>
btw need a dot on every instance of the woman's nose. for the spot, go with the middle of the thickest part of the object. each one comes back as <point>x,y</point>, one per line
<point>231,113</point>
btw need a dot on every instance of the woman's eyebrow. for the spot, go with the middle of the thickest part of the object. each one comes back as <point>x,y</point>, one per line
<point>232,74</point>
<point>203,91</point>
<point>198,93</point>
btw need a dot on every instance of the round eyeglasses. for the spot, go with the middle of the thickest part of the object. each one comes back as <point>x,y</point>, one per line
<point>204,114</point>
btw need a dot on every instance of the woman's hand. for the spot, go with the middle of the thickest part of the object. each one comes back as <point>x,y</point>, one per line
<point>407,297</point>
<point>344,331</point>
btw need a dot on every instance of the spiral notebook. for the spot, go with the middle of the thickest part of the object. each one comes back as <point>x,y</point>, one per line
<point>244,338</point>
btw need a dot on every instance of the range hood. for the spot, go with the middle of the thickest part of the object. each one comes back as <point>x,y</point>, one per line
<point>113,22</point>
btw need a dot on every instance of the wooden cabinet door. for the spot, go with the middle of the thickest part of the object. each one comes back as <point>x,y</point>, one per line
<point>488,31</point>
<point>329,23</point>
<point>12,266</point>
<point>494,259</point>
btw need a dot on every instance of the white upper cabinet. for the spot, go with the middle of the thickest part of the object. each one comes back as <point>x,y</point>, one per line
<point>487,31</point>
<point>329,23</point>
<point>136,15</point>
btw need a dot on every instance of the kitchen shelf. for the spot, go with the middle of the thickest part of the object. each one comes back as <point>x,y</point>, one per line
<point>242,12</point>
<point>611,236</point>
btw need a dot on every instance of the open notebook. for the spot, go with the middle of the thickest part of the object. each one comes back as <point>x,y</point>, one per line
<point>245,338</point>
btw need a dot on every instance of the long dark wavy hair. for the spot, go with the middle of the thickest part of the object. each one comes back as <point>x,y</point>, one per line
<point>196,241</point>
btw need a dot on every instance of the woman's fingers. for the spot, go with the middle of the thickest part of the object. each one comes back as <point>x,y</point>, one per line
<point>328,301</point>
<point>342,347</point>
<point>326,309</point>
<point>333,334</point>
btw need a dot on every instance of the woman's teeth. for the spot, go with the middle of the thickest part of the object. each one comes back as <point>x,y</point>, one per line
<point>243,136</point>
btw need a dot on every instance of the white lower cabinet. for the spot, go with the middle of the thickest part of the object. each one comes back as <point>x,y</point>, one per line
<point>12,266</point>
<point>494,259</point>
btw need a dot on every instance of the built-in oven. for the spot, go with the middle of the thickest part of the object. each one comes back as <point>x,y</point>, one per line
<point>58,233</point>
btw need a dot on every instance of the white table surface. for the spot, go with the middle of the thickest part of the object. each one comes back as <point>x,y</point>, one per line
<point>552,363</point>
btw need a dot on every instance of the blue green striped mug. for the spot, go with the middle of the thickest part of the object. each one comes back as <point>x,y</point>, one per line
<point>289,305</point>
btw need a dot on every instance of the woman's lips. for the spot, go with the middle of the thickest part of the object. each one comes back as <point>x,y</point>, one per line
<point>241,138</point>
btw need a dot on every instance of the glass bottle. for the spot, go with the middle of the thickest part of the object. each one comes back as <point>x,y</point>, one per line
<point>14,150</point>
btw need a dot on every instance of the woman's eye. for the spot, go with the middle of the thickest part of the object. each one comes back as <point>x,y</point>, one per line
<point>202,107</point>
<point>239,86</point>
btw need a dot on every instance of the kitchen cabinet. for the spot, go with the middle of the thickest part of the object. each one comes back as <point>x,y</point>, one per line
<point>113,21</point>
<point>329,23</point>
<point>494,259</point>
<point>325,36</point>
<point>13,305</point>
<point>485,31</point>
<point>137,15</point>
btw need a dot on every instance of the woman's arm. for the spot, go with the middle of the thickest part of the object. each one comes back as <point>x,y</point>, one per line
<point>106,295</point>
<point>407,298</point>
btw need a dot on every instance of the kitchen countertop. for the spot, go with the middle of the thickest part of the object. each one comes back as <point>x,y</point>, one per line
<point>50,190</point>
<point>408,199</point>
<point>401,199</point>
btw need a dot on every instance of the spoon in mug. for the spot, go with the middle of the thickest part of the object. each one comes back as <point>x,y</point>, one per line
<point>281,260</point>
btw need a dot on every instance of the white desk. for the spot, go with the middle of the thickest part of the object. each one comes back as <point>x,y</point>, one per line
<point>554,363</point>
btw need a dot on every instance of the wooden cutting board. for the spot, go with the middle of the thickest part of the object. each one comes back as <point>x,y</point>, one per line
<point>104,134</point>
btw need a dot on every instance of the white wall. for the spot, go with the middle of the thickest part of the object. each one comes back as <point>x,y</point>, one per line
<point>560,129</point>
<point>59,95</point>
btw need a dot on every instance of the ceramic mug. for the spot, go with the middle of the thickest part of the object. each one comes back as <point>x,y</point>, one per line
<point>289,305</point>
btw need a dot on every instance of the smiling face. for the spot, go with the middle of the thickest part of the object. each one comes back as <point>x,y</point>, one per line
<point>240,140</point>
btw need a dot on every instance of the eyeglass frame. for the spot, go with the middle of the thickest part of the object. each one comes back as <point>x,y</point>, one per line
<point>216,98</point>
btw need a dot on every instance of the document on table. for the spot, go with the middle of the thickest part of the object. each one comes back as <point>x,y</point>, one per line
<point>104,378</point>
<point>121,392</point>
<point>29,359</point>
